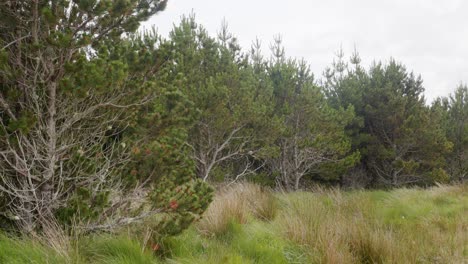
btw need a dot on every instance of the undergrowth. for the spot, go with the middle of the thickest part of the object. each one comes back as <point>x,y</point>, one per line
<point>250,224</point>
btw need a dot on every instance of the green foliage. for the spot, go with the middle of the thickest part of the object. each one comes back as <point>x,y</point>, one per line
<point>76,78</point>
<point>186,204</point>
<point>159,150</point>
<point>311,138</point>
<point>83,206</point>
<point>390,130</point>
<point>452,115</point>
<point>230,114</point>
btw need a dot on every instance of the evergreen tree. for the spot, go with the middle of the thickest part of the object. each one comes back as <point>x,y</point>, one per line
<point>396,146</point>
<point>452,113</point>
<point>73,85</point>
<point>312,141</point>
<point>215,76</point>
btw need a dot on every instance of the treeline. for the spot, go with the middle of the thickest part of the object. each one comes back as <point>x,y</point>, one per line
<point>102,127</point>
<point>269,120</point>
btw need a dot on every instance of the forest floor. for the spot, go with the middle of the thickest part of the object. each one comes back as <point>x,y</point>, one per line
<point>248,224</point>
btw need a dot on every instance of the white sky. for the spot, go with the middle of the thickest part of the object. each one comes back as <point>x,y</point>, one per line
<point>430,37</point>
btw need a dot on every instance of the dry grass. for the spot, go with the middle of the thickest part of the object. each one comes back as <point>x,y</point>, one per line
<point>54,237</point>
<point>402,226</point>
<point>261,201</point>
<point>234,205</point>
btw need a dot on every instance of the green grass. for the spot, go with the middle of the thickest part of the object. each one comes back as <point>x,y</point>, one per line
<point>255,242</point>
<point>119,250</point>
<point>27,251</point>
<point>324,226</point>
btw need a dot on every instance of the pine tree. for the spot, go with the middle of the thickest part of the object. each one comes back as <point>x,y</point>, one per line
<point>215,76</point>
<point>313,141</point>
<point>452,113</point>
<point>73,85</point>
<point>391,129</point>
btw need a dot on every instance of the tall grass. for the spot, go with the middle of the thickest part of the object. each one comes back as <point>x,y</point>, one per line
<point>234,205</point>
<point>249,224</point>
<point>23,250</point>
<point>109,249</point>
<point>93,249</point>
<point>402,226</point>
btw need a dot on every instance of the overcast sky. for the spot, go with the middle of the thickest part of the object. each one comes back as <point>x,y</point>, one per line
<point>430,37</point>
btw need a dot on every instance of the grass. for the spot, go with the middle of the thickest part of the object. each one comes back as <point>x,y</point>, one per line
<point>236,205</point>
<point>27,251</point>
<point>249,224</point>
<point>401,226</point>
<point>98,249</point>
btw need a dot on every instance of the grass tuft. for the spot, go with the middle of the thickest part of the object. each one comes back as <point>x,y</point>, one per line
<point>234,205</point>
<point>120,249</point>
